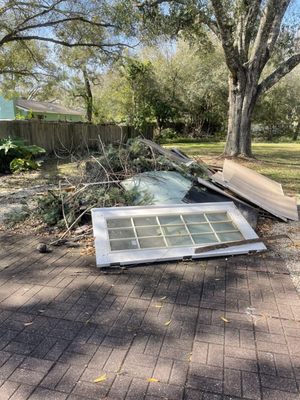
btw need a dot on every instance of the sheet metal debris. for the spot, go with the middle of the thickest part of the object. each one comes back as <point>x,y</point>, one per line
<point>177,156</point>
<point>169,187</point>
<point>257,189</point>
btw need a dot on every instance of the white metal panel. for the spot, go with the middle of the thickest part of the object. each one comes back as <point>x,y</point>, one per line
<point>105,256</point>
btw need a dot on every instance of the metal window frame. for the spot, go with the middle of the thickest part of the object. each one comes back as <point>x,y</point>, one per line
<point>105,257</point>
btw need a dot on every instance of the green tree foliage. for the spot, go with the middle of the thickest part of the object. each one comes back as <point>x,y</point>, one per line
<point>278,112</point>
<point>166,84</point>
<point>30,32</point>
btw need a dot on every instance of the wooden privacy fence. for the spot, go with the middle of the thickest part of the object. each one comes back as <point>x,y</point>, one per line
<point>68,136</point>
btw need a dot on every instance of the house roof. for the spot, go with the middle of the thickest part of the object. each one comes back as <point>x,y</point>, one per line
<point>44,107</point>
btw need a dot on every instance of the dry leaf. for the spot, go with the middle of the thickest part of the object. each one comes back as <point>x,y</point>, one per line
<point>190,357</point>
<point>100,379</point>
<point>163,298</point>
<point>168,322</point>
<point>225,320</point>
<point>87,321</point>
<point>28,323</point>
<point>152,380</point>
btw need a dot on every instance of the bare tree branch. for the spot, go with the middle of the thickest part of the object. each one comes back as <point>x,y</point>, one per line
<point>69,44</point>
<point>283,69</point>
<point>44,11</point>
<point>268,32</point>
<point>252,13</point>
<point>14,34</point>
<point>225,25</point>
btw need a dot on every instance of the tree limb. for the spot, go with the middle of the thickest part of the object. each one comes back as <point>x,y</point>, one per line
<point>66,43</point>
<point>283,69</point>
<point>250,19</point>
<point>13,34</point>
<point>45,10</point>
<point>225,28</point>
<point>268,32</point>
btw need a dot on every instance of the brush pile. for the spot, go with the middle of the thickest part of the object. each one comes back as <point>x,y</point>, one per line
<point>99,184</point>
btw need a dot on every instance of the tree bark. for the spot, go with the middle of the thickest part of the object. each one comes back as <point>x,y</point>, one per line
<point>242,98</point>
<point>88,96</point>
<point>296,132</point>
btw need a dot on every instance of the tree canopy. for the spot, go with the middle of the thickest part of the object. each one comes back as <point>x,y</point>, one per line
<point>179,63</point>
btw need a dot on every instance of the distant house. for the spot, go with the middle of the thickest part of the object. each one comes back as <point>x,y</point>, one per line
<point>29,109</point>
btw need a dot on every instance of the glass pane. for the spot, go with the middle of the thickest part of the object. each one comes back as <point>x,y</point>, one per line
<point>170,220</point>
<point>230,236</point>
<point>223,226</point>
<point>144,221</point>
<point>119,223</point>
<point>149,243</point>
<point>194,218</point>
<point>124,244</point>
<point>148,231</point>
<point>217,217</point>
<point>199,239</point>
<point>174,230</point>
<point>121,233</point>
<point>179,241</point>
<point>201,228</point>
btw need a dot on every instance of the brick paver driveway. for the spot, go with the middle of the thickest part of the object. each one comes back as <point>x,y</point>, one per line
<point>64,324</point>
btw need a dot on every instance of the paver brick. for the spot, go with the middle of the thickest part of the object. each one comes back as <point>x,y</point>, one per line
<point>70,378</point>
<point>41,393</point>
<point>54,376</point>
<point>36,364</point>
<point>215,355</point>
<point>10,365</point>
<point>8,389</point>
<point>23,392</point>
<point>25,376</point>
<point>179,373</point>
<point>163,390</point>
<point>232,382</point>
<point>163,369</point>
<point>251,385</point>
<point>275,382</point>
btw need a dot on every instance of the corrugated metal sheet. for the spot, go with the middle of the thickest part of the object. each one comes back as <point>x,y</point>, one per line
<point>257,189</point>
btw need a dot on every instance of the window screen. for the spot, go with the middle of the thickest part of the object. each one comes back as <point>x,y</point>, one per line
<point>164,231</point>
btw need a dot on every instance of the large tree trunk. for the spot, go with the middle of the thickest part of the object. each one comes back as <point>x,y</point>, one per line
<point>242,98</point>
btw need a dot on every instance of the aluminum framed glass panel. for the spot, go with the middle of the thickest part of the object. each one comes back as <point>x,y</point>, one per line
<point>130,235</point>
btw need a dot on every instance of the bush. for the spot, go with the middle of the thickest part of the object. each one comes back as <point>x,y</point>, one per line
<point>166,134</point>
<point>16,156</point>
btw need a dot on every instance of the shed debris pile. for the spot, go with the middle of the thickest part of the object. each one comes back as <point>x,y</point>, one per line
<point>251,192</point>
<point>217,206</point>
<point>207,225</point>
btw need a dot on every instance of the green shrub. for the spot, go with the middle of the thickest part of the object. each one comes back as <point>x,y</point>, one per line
<point>166,134</point>
<point>16,156</point>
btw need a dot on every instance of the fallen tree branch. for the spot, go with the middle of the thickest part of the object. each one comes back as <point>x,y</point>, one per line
<point>71,226</point>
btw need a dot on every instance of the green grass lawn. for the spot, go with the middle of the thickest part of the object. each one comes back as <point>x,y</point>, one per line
<point>278,161</point>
